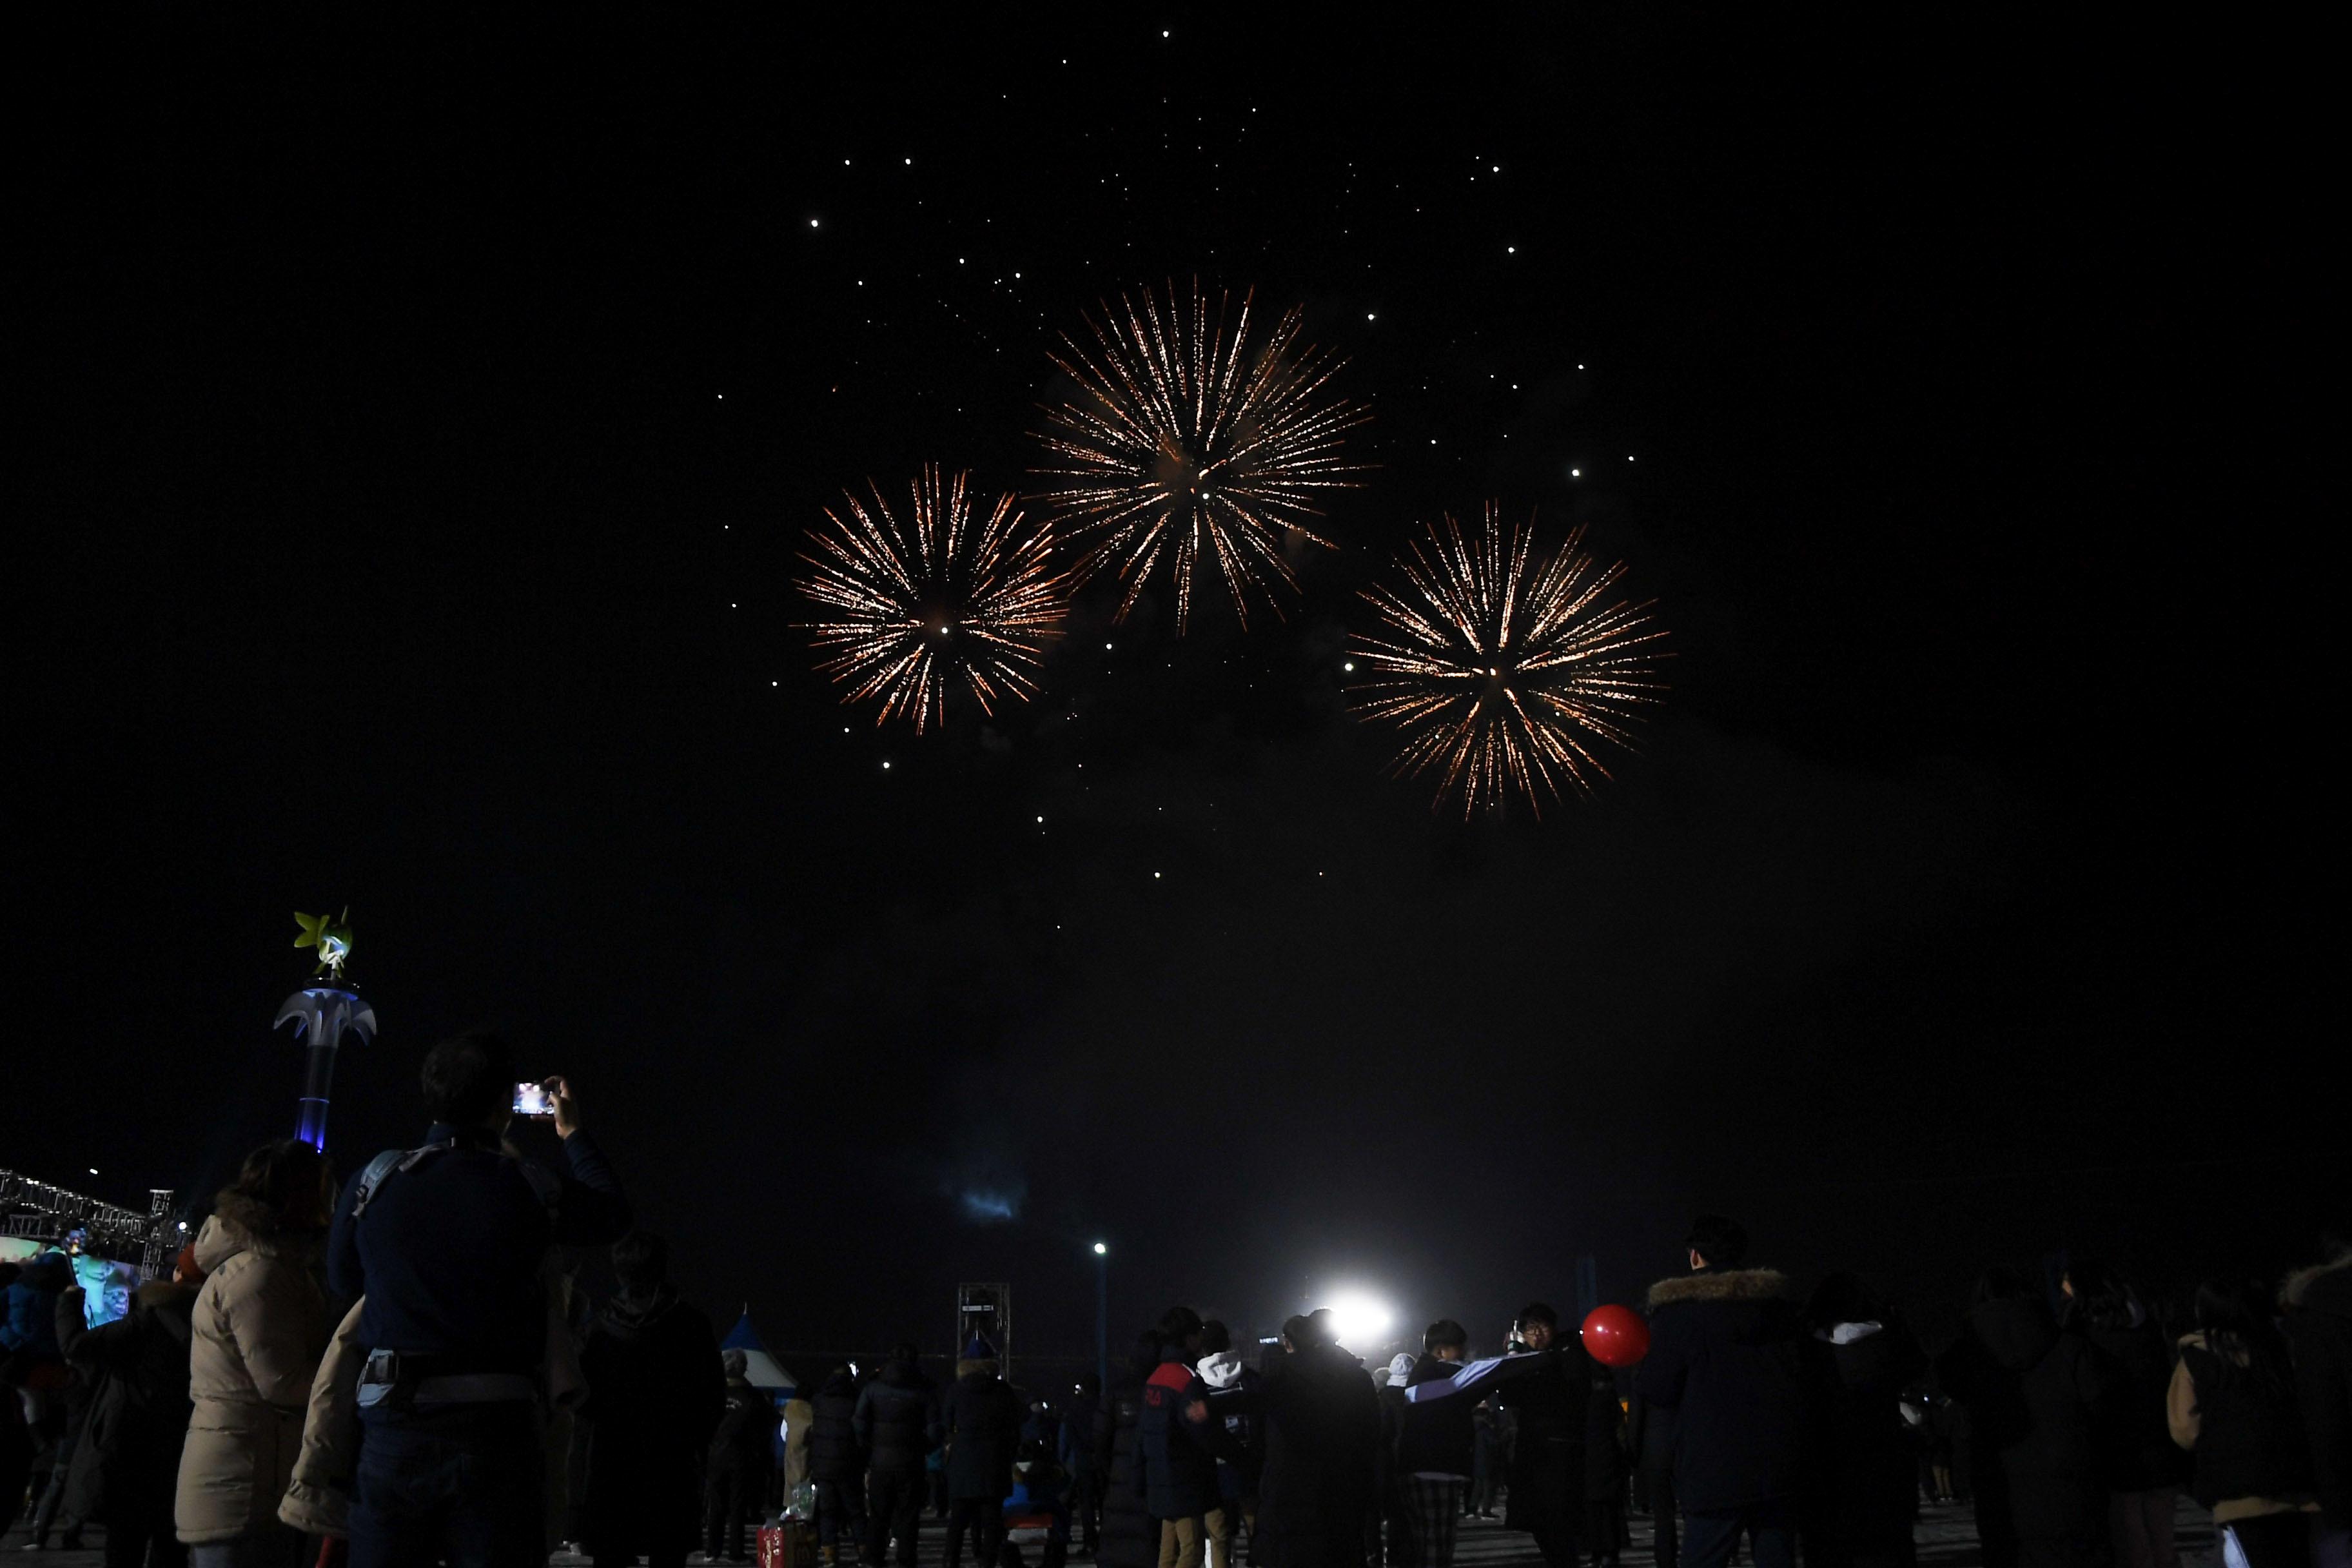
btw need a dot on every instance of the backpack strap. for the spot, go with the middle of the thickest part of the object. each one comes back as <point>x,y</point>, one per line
<point>545,1184</point>
<point>384,1166</point>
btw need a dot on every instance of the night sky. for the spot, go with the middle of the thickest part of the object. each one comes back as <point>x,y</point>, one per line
<point>436,414</point>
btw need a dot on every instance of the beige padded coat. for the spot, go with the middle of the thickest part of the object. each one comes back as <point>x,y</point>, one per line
<point>318,1499</point>
<point>260,1327</point>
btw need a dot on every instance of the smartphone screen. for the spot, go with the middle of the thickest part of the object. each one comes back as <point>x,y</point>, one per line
<point>533,1100</point>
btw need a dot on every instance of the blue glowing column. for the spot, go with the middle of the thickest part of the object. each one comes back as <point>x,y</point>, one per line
<point>321,1015</point>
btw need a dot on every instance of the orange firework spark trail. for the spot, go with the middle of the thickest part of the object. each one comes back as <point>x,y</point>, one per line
<point>1498,670</point>
<point>1186,443</point>
<point>917,606</point>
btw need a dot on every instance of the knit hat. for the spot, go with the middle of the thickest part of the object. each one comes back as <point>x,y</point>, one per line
<point>1401,1369</point>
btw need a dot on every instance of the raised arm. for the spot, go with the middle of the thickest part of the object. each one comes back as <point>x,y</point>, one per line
<point>592,1210</point>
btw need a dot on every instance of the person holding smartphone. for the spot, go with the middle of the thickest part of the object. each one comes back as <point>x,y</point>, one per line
<point>445,1244</point>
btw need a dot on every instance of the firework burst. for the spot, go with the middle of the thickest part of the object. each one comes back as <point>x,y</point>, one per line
<point>1188,444</point>
<point>1500,668</point>
<point>934,602</point>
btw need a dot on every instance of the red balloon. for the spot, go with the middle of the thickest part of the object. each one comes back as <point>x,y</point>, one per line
<point>1616,1335</point>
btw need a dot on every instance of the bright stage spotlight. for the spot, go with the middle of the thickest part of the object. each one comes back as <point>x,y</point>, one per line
<point>1361,1322</point>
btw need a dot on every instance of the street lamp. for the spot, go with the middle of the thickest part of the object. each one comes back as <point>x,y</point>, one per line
<point>1102,1316</point>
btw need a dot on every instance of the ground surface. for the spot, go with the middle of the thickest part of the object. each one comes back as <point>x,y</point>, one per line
<point>1948,1539</point>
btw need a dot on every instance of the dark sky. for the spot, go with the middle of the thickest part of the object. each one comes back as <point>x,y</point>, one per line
<point>439,411</point>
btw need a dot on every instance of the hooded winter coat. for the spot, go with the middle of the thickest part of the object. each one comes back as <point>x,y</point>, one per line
<point>1321,1425</point>
<point>1862,1496</point>
<point>655,1391</point>
<point>2319,1328</point>
<point>260,1329</point>
<point>1727,1353</point>
<point>983,1420</point>
<point>1238,1465</point>
<point>835,1453</point>
<point>896,1421</point>
<point>2032,1396</point>
<point>128,1461</point>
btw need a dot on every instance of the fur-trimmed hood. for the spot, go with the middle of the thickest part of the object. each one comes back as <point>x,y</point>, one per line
<point>2323,1287</point>
<point>223,1239</point>
<point>1721,1285</point>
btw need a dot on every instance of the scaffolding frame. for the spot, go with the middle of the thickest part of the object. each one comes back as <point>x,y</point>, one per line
<point>985,1309</point>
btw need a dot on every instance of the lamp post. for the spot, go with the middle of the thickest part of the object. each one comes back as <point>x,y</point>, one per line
<point>1102,1315</point>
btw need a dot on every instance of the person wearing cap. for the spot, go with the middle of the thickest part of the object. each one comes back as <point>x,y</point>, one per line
<point>1728,1356</point>
<point>982,1422</point>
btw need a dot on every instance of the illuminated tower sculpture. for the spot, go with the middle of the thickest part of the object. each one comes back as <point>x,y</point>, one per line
<point>320,1013</point>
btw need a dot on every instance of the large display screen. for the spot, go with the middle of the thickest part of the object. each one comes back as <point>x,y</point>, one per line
<point>106,1285</point>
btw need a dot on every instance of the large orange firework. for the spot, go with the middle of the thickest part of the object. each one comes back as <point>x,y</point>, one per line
<point>1500,667</point>
<point>1187,443</point>
<point>932,602</point>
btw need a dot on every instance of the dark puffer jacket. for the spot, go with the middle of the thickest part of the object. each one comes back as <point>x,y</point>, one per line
<point>2319,1327</point>
<point>1727,1353</point>
<point>834,1452</point>
<point>983,1427</point>
<point>1182,1442</point>
<point>744,1441</point>
<point>896,1422</point>
<point>2136,1454</point>
<point>2032,1396</point>
<point>1322,1430</point>
<point>656,1393</point>
<point>127,1465</point>
<point>1862,1498</point>
<point>1130,1538</point>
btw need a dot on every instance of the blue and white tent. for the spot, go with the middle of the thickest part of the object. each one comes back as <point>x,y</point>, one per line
<point>760,1367</point>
